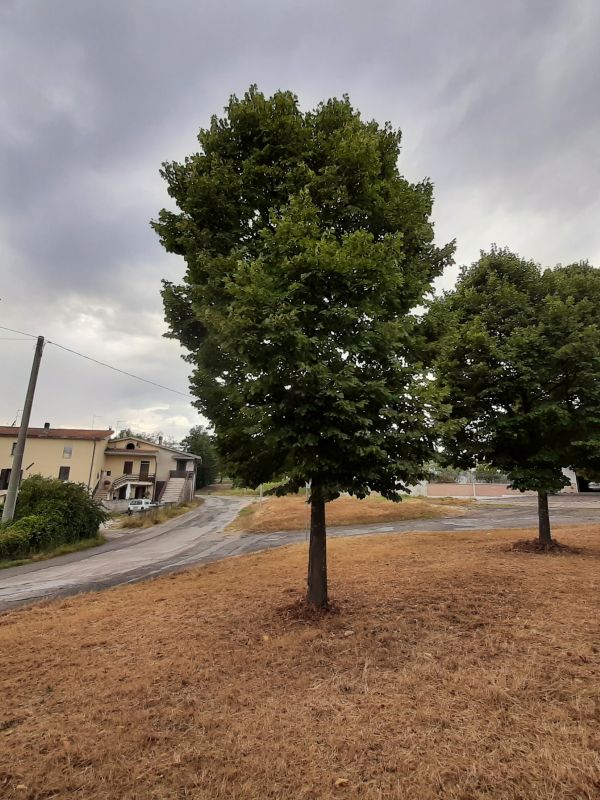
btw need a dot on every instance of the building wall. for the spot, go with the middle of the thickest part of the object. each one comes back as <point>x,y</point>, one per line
<point>167,461</point>
<point>98,461</point>
<point>480,490</point>
<point>116,463</point>
<point>47,457</point>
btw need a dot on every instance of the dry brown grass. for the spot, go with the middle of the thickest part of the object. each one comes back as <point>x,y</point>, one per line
<point>290,513</point>
<point>455,669</point>
<point>155,516</point>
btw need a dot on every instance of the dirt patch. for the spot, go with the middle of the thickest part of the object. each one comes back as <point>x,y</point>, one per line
<point>452,671</point>
<point>536,546</point>
<point>291,513</point>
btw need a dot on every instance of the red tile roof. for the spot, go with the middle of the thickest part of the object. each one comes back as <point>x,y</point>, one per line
<point>57,433</point>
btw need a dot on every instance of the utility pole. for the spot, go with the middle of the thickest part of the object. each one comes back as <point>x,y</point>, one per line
<point>10,501</point>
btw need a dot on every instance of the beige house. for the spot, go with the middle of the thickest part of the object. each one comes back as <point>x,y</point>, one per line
<point>112,469</point>
<point>65,453</point>
<point>135,468</point>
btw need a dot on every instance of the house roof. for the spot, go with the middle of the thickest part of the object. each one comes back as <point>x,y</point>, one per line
<point>57,433</point>
<point>119,451</point>
<point>155,444</point>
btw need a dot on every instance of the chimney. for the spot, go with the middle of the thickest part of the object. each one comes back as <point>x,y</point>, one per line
<point>46,426</point>
<point>160,438</point>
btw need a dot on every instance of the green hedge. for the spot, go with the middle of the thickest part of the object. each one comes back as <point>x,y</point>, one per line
<point>49,513</point>
<point>30,535</point>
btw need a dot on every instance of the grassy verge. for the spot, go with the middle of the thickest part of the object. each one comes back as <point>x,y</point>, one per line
<point>291,512</point>
<point>239,492</point>
<point>453,667</point>
<point>146,519</point>
<point>61,550</point>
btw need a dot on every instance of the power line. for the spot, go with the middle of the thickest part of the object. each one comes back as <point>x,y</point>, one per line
<point>104,364</point>
<point>12,330</point>
<point>122,371</point>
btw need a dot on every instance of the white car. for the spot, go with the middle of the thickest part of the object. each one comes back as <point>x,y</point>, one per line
<point>140,504</point>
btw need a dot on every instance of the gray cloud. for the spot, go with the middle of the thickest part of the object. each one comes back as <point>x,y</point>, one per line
<point>497,102</point>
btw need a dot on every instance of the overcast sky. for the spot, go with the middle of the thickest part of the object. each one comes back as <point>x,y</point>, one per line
<point>499,104</point>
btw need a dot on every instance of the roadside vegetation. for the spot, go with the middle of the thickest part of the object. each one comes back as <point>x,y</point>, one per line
<point>154,516</point>
<point>450,667</point>
<point>292,512</point>
<point>61,550</point>
<point>49,513</point>
<point>240,491</point>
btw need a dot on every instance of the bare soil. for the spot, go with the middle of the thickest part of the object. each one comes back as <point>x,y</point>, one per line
<point>291,513</point>
<point>452,668</point>
<point>537,546</point>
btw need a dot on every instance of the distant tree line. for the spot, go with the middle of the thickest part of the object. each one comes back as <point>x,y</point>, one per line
<point>156,438</point>
<point>201,443</point>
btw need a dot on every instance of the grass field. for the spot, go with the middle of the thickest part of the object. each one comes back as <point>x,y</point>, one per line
<point>452,668</point>
<point>290,513</point>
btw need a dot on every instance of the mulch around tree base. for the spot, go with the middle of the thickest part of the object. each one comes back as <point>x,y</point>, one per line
<point>536,546</point>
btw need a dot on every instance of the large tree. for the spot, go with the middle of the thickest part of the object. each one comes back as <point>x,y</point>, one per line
<point>306,253</point>
<point>517,358</point>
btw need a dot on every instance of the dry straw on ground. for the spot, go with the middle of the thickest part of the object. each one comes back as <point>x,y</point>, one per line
<point>156,516</point>
<point>290,513</point>
<point>453,668</point>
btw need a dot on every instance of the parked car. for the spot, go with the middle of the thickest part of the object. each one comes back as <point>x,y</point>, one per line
<point>140,504</point>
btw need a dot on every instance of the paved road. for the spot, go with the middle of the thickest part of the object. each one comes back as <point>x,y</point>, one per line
<point>198,538</point>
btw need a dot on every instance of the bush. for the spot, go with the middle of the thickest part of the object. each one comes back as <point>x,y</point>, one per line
<point>29,535</point>
<point>68,510</point>
<point>49,513</point>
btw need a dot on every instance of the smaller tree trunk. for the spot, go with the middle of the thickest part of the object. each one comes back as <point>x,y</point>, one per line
<point>544,519</point>
<point>317,553</point>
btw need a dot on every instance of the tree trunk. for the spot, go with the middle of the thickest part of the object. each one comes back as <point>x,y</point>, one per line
<point>317,553</point>
<point>544,519</point>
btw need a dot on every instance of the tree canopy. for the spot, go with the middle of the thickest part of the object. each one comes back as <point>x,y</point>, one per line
<point>155,438</point>
<point>518,362</point>
<point>306,254</point>
<point>200,443</point>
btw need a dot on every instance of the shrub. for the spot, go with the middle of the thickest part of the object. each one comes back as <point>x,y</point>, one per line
<point>29,535</point>
<point>68,511</point>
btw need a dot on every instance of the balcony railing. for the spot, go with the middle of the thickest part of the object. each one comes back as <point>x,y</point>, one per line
<point>181,473</point>
<point>132,478</point>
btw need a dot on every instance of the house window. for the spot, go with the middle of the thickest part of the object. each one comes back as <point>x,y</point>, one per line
<point>63,473</point>
<point>128,468</point>
<point>130,446</point>
<point>13,448</point>
<point>4,478</point>
<point>144,469</point>
<point>67,452</point>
